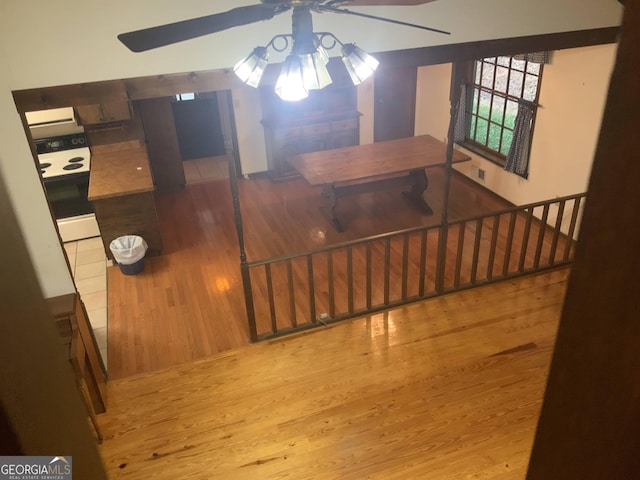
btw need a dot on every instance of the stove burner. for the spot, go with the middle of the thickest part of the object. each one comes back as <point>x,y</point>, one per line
<point>72,166</point>
<point>45,165</point>
<point>76,159</point>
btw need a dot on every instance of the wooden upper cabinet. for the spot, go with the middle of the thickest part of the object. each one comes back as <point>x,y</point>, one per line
<point>103,113</point>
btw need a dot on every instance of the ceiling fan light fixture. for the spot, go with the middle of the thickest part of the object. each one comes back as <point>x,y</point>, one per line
<point>290,85</point>
<point>359,63</point>
<point>251,68</point>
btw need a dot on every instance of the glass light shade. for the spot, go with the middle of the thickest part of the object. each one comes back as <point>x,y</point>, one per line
<point>290,85</point>
<point>314,71</point>
<point>359,63</point>
<point>323,54</point>
<point>251,68</point>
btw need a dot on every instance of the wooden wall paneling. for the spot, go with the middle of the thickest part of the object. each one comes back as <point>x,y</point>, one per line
<point>169,85</point>
<point>70,95</point>
<point>589,427</point>
<point>163,148</point>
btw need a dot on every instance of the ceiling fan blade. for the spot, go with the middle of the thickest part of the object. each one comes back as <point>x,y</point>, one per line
<point>327,8</point>
<point>154,37</point>
<point>391,3</point>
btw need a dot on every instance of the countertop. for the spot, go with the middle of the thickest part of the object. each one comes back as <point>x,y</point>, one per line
<point>119,169</point>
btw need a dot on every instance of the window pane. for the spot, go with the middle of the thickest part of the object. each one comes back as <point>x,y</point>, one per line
<point>488,72</point>
<point>533,68</point>
<point>502,75</point>
<point>530,88</point>
<point>485,102</point>
<point>504,61</point>
<point>510,116</point>
<point>494,136</point>
<point>507,136</point>
<point>481,131</point>
<point>497,110</point>
<point>515,83</point>
<point>518,65</point>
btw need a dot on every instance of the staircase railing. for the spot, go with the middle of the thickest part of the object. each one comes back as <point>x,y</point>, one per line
<point>295,292</point>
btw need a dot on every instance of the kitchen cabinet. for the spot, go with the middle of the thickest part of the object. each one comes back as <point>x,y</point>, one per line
<point>122,193</point>
<point>77,336</point>
<point>103,113</point>
<point>327,119</point>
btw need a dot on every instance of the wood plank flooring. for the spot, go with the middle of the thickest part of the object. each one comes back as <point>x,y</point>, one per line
<point>447,389</point>
<point>188,302</point>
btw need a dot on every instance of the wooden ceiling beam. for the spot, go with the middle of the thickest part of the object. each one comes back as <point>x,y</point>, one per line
<point>417,57</point>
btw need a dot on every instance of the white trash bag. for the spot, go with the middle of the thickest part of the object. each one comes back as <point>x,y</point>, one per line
<point>129,249</point>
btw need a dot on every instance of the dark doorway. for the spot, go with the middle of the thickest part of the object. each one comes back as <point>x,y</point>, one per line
<point>395,103</point>
<point>198,127</point>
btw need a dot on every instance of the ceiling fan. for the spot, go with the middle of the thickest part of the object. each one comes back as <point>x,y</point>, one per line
<point>154,37</point>
<point>305,68</point>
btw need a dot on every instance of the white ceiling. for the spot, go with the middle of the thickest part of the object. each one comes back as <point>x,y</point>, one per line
<point>55,43</point>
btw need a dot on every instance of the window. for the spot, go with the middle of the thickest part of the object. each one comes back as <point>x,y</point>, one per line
<point>185,96</point>
<point>496,86</point>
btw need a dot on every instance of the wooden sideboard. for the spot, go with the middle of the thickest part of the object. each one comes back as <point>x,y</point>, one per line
<point>327,119</point>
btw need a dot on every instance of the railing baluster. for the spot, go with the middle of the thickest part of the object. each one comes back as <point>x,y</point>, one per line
<point>332,298</point>
<point>541,235</point>
<point>423,262</point>
<point>292,299</point>
<point>509,245</point>
<point>572,227</point>
<point>405,264</point>
<point>556,233</point>
<point>368,270</point>
<point>312,291</point>
<point>387,269</point>
<point>245,271</point>
<point>441,260</point>
<point>272,304</point>
<point>476,251</point>
<point>492,248</point>
<point>525,239</point>
<point>461,229</point>
<point>350,278</point>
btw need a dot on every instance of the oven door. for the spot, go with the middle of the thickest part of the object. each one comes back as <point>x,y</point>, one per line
<point>67,195</point>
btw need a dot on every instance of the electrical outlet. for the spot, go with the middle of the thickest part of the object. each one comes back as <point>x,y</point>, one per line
<point>481,174</point>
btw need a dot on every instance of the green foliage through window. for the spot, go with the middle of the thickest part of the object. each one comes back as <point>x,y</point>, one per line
<point>497,84</point>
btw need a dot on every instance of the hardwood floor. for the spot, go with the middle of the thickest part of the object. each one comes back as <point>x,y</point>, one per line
<point>188,302</point>
<point>447,389</point>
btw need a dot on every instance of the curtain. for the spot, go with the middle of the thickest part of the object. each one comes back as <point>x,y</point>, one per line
<point>534,57</point>
<point>518,157</point>
<point>460,129</point>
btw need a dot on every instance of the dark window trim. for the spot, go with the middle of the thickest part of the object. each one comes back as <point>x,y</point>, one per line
<point>478,148</point>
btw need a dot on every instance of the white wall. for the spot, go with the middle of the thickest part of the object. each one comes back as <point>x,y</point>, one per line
<point>28,199</point>
<point>572,98</point>
<point>46,43</point>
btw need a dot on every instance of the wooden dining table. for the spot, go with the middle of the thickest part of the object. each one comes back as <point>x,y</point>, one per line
<point>374,166</point>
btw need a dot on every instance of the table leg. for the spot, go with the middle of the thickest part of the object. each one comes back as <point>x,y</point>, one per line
<point>419,185</point>
<point>328,208</point>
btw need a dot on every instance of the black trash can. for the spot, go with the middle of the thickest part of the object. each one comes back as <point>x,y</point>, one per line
<point>129,252</point>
